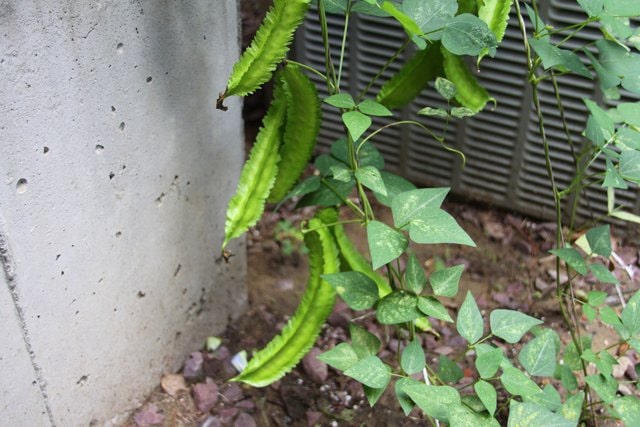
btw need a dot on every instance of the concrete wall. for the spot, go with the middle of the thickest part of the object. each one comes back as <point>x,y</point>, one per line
<point>115,171</point>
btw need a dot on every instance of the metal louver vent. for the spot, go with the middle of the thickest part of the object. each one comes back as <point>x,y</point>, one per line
<point>505,162</point>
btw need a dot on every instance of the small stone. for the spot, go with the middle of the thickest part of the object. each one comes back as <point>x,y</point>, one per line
<point>149,416</point>
<point>172,384</point>
<point>313,418</point>
<point>227,415</point>
<point>193,367</point>
<point>620,369</point>
<point>247,405</point>
<point>210,421</point>
<point>205,395</point>
<point>244,420</point>
<point>315,368</point>
<point>231,393</point>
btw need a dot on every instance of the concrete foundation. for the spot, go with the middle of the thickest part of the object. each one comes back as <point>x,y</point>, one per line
<point>115,172</point>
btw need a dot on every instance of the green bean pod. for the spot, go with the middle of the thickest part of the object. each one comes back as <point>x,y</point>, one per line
<point>300,131</point>
<point>258,173</point>
<point>469,93</point>
<point>267,49</point>
<point>412,78</point>
<point>297,337</point>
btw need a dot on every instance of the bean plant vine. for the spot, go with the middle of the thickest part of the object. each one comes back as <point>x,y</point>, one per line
<point>549,382</point>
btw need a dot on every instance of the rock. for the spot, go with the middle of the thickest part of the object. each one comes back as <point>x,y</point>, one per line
<point>244,420</point>
<point>193,366</point>
<point>313,418</point>
<point>315,368</point>
<point>205,395</point>
<point>210,421</point>
<point>149,416</point>
<point>247,405</point>
<point>227,414</point>
<point>231,393</point>
<point>621,368</point>
<point>172,384</point>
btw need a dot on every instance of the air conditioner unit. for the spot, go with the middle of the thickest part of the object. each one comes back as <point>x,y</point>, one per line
<point>505,161</point>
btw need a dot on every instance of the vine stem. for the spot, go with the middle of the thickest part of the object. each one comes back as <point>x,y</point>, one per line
<point>347,14</point>
<point>382,70</point>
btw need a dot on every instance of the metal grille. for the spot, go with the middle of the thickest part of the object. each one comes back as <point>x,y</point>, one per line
<point>505,161</point>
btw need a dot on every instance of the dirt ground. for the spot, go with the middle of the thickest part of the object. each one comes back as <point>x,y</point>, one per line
<point>510,268</point>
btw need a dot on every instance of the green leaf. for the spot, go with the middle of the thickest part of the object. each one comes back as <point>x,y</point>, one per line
<point>488,362</point>
<point>599,239</point>
<point>341,173</point>
<point>603,274</point>
<point>357,290</point>
<point>370,156</point>
<point>370,177</point>
<point>549,398</point>
<point>621,8</point>
<point>517,383</point>
<point>435,401</point>
<point>385,243</point>
<point>370,371</point>
<point>403,398</point>
<point>434,308</point>
<point>555,57</point>
<point>326,195</point>
<point>596,298</point>
<point>628,408</point>
<point>592,7</point>
<point>407,23</point>
<point>464,416</point>
<point>573,258</point>
<point>430,15</point>
<point>341,100</point>
<point>413,358</point>
<point>467,34</point>
<point>414,276</point>
<point>438,226</point>
<point>530,414</point>
<point>394,185</point>
<point>445,88</point>
<point>356,122</point>
<point>569,380</point>
<point>462,112</point>
<point>307,186</point>
<point>430,111</point>
<point>445,282</point>
<point>631,315</point>
<point>373,108</point>
<point>619,61</point>
<point>538,356</point>
<point>487,394</point>
<point>589,312</point>
<point>398,307</point>
<point>410,205</point>
<point>572,408</point>
<point>285,350</point>
<point>448,370</point>
<point>630,113</point>
<point>511,325</point>
<point>258,173</point>
<point>340,357</point>
<point>335,6</point>
<point>600,126</point>
<point>572,355</point>
<point>469,322</point>
<point>612,178</point>
<point>373,394</point>
<point>630,165</point>
<point>364,342</point>
<point>605,386</point>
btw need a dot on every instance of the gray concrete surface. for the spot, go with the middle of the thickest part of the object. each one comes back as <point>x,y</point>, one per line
<point>115,171</point>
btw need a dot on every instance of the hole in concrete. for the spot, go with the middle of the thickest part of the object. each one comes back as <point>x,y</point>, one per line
<point>21,185</point>
<point>111,175</point>
<point>120,48</point>
<point>99,148</point>
<point>141,294</point>
<point>45,150</point>
<point>58,256</point>
<point>149,79</point>
<point>113,109</point>
<point>118,233</point>
<point>175,273</point>
<point>121,126</point>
